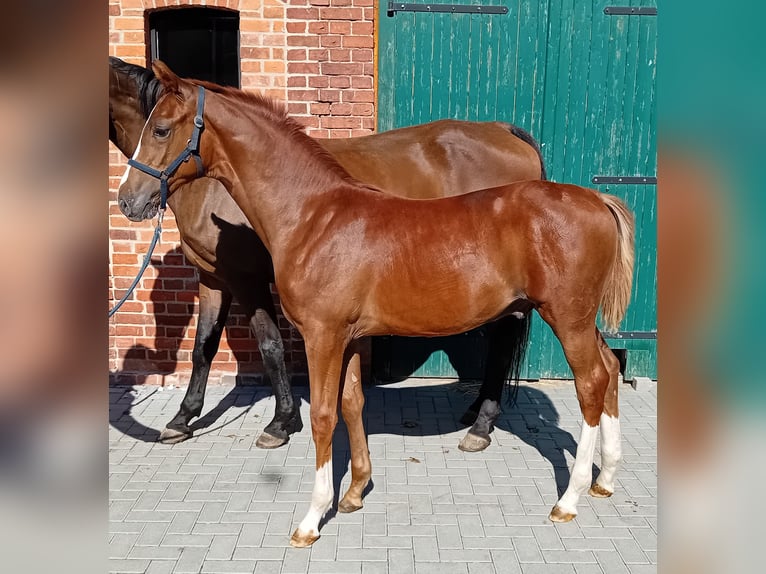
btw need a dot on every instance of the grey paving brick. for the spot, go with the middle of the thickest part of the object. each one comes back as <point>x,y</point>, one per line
<point>190,561</point>
<point>441,568</point>
<point>161,567</point>
<point>228,566</point>
<point>124,566</point>
<point>218,496</point>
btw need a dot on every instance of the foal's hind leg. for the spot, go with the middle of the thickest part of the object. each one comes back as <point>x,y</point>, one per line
<point>611,446</point>
<point>352,403</point>
<point>591,381</point>
<point>214,303</point>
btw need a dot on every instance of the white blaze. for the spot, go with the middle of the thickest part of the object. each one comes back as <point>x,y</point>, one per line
<point>135,155</point>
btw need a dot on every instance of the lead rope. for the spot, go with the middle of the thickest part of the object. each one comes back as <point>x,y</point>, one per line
<point>144,265</point>
<point>191,150</point>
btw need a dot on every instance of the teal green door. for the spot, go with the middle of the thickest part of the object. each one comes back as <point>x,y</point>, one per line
<point>582,81</point>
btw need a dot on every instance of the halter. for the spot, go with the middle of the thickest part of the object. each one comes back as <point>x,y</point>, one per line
<point>191,150</point>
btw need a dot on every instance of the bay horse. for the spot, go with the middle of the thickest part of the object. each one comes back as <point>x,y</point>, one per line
<point>439,159</point>
<point>351,262</point>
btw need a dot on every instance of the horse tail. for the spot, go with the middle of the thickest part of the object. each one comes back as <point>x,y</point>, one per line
<point>617,293</point>
<point>519,330</point>
<point>526,137</point>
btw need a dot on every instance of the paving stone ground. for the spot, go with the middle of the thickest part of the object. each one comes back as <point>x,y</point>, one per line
<point>218,504</point>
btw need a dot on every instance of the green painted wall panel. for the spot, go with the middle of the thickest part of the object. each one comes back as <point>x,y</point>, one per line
<point>583,83</point>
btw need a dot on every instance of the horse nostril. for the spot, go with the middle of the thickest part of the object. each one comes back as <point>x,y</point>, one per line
<point>123,206</point>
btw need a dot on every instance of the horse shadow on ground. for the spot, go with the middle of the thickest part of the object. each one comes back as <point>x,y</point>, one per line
<point>418,411</point>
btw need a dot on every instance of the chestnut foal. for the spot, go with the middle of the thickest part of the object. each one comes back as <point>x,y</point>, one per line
<point>351,262</point>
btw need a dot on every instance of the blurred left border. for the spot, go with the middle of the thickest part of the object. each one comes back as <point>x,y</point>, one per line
<point>53,266</point>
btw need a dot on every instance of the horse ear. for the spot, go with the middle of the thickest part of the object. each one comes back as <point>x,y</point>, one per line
<point>170,82</point>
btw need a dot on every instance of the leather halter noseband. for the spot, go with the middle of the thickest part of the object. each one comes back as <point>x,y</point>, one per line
<point>191,150</point>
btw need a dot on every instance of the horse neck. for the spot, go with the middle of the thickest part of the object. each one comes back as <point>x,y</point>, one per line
<point>277,177</point>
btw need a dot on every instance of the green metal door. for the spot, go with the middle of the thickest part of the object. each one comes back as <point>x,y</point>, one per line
<point>580,76</point>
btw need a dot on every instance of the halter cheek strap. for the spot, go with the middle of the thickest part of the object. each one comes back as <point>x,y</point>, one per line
<point>191,150</point>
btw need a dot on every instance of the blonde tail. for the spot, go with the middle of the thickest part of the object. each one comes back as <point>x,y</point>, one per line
<point>618,287</point>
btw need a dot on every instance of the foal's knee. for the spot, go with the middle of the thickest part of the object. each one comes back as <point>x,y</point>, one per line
<point>591,394</point>
<point>323,420</point>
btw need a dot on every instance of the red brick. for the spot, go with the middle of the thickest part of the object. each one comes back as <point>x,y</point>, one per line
<point>339,109</point>
<point>358,42</point>
<point>362,109</point>
<point>330,41</point>
<point>295,27</point>
<point>340,82</point>
<point>319,27</point>
<point>297,108</point>
<point>329,95</point>
<point>319,55</point>
<point>361,55</point>
<point>296,54</point>
<point>340,55</point>
<point>254,53</point>
<point>340,27</point>
<point>320,108</point>
<point>319,81</point>
<point>338,69</point>
<point>341,122</point>
<point>302,68</point>
<point>310,41</point>
<point>341,14</point>
<point>297,82</point>
<point>303,95</point>
<point>302,14</point>
<point>361,28</point>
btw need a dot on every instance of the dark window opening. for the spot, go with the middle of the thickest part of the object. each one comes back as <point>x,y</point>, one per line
<point>199,43</point>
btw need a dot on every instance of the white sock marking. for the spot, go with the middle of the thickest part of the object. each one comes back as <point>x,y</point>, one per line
<point>611,451</point>
<point>581,475</point>
<point>321,500</point>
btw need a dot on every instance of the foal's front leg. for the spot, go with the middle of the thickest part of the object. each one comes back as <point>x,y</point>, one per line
<point>325,361</point>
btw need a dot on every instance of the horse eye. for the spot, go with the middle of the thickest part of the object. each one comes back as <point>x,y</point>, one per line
<point>161,132</point>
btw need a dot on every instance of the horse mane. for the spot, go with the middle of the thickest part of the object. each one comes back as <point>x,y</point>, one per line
<point>276,112</point>
<point>149,87</point>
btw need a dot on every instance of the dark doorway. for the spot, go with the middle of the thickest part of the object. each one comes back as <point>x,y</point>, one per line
<point>197,42</point>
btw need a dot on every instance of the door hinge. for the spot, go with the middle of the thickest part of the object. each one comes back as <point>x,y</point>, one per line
<point>627,180</point>
<point>629,11</point>
<point>394,7</point>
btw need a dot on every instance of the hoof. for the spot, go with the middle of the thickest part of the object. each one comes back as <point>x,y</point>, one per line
<point>172,436</point>
<point>303,539</point>
<point>267,441</point>
<point>559,515</point>
<point>347,507</point>
<point>599,491</point>
<point>474,443</point>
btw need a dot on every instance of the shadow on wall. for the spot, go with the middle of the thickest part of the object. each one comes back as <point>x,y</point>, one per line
<point>172,297</point>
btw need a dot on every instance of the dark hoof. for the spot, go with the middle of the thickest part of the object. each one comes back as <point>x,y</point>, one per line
<point>469,417</point>
<point>268,441</point>
<point>173,436</point>
<point>474,443</point>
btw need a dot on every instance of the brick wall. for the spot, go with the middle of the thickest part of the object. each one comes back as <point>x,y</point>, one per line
<point>317,57</point>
